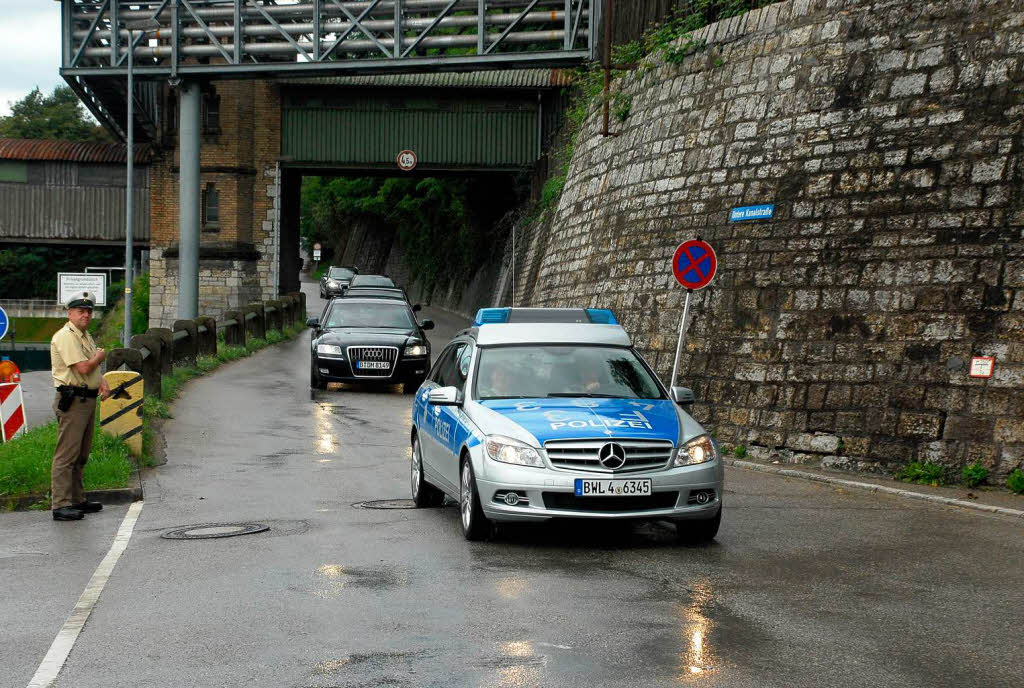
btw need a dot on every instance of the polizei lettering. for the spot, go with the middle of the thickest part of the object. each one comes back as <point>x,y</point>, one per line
<point>636,421</point>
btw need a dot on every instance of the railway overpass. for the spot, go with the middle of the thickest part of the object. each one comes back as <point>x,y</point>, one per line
<point>217,79</point>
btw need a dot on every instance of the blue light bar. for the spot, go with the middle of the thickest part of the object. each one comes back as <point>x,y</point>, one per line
<point>490,316</point>
<point>602,316</point>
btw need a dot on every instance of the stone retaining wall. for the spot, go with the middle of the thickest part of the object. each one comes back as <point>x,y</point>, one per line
<point>889,136</point>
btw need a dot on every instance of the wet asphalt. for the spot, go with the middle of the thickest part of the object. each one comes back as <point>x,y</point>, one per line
<point>806,585</point>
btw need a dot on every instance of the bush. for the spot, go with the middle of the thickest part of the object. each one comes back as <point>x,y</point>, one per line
<point>974,474</point>
<point>922,473</point>
<point>740,451</point>
<point>1015,481</point>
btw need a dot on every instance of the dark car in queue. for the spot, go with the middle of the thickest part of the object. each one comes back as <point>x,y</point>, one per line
<point>371,281</point>
<point>335,280</point>
<point>373,340</point>
<point>379,292</point>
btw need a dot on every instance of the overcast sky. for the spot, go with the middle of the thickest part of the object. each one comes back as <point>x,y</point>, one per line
<point>29,49</point>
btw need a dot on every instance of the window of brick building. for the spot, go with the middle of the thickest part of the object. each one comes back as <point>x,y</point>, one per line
<point>211,208</point>
<point>211,113</point>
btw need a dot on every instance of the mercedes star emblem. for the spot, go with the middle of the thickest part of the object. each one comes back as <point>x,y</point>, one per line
<point>612,456</point>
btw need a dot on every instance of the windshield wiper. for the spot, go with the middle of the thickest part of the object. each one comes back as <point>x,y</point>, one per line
<point>588,395</point>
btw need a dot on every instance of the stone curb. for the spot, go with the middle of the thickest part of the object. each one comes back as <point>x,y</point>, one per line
<point>121,495</point>
<point>871,487</point>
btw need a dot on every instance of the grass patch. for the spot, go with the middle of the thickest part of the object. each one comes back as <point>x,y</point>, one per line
<point>974,474</point>
<point>740,451</point>
<point>25,464</point>
<point>923,473</point>
<point>1015,481</point>
<point>35,329</point>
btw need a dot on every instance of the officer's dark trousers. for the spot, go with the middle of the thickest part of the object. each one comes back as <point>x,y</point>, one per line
<point>74,441</point>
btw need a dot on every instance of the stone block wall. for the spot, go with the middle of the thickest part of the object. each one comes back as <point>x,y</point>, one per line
<point>224,284</point>
<point>889,137</point>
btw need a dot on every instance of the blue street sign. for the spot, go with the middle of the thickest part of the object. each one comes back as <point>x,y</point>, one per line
<point>4,323</point>
<point>752,212</point>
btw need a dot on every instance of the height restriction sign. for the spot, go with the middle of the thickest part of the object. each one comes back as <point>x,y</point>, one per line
<point>694,264</point>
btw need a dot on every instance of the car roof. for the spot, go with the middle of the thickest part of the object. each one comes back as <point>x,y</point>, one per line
<point>368,299</point>
<point>550,333</point>
<point>374,292</point>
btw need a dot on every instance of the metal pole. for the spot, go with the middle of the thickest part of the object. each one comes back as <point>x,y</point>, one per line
<point>188,201</point>
<point>513,264</point>
<point>682,334</point>
<point>128,196</point>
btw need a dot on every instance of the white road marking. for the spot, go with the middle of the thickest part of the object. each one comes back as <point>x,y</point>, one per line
<point>61,647</point>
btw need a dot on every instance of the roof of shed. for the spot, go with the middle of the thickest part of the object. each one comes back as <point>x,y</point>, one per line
<point>507,78</point>
<point>73,151</point>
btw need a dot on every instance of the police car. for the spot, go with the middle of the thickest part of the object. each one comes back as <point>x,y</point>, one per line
<point>533,414</point>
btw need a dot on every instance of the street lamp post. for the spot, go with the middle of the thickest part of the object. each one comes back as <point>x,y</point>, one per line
<point>131,26</point>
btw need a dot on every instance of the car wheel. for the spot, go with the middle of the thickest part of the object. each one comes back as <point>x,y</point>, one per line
<point>696,532</point>
<point>315,381</point>
<point>423,493</point>
<point>475,526</point>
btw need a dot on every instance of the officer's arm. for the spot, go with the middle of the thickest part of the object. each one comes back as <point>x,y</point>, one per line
<point>86,367</point>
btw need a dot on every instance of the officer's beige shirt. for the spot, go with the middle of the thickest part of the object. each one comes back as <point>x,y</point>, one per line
<point>68,347</point>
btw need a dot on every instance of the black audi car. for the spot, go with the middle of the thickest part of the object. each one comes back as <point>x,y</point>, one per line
<point>335,280</point>
<point>369,340</point>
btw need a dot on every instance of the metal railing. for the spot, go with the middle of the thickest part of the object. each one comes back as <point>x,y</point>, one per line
<point>156,352</point>
<point>250,37</point>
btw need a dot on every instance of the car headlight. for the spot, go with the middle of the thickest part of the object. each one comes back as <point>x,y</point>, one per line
<point>698,450</point>
<point>328,349</point>
<point>416,350</point>
<point>331,283</point>
<point>508,450</point>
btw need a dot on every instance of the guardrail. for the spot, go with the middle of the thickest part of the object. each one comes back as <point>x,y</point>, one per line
<point>156,352</point>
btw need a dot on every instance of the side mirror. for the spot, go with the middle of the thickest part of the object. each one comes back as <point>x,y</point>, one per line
<point>427,325</point>
<point>314,323</point>
<point>417,308</point>
<point>445,396</point>
<point>683,396</point>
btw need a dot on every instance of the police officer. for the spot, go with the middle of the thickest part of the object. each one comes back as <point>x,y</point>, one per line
<point>75,365</point>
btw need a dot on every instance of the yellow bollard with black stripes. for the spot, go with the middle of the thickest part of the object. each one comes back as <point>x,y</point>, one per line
<point>121,413</point>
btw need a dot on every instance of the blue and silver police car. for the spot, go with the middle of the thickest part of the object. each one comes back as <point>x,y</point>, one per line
<point>533,414</point>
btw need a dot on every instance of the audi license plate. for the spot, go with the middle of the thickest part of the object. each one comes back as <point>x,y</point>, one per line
<point>612,488</point>
<point>373,365</point>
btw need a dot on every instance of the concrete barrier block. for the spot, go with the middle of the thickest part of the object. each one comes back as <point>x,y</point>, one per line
<point>150,367</point>
<point>273,314</point>
<point>256,326</point>
<point>186,348</point>
<point>234,335</point>
<point>206,341</point>
<point>130,358</point>
<point>164,334</point>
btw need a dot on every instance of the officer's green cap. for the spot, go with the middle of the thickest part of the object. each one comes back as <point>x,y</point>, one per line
<point>82,299</point>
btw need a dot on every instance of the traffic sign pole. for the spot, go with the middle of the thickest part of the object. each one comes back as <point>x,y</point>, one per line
<point>682,337</point>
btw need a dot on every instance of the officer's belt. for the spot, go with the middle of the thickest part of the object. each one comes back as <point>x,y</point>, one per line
<point>83,392</point>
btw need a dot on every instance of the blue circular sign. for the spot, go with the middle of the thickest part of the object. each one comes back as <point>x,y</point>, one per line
<point>4,323</point>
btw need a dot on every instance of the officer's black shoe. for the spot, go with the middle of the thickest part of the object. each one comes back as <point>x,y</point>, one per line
<point>88,507</point>
<point>68,513</point>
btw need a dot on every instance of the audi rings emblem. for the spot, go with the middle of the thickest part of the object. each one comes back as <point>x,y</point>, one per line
<point>373,353</point>
<point>612,456</point>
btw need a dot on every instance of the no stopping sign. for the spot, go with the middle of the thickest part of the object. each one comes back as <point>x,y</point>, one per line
<point>694,264</point>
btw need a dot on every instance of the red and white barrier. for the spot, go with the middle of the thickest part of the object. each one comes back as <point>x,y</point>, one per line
<point>12,411</point>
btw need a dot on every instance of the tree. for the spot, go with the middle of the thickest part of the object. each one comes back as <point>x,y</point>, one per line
<point>59,115</point>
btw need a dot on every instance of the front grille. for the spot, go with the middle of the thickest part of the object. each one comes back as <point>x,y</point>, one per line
<point>581,455</point>
<point>570,502</point>
<point>387,354</point>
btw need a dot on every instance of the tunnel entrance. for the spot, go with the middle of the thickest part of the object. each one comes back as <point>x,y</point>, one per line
<point>429,231</point>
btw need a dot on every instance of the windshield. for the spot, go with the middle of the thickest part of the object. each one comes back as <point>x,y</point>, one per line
<point>372,281</point>
<point>381,314</point>
<point>341,273</point>
<point>563,371</point>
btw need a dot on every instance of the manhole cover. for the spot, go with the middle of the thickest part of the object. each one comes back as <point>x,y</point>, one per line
<point>207,531</point>
<point>386,504</point>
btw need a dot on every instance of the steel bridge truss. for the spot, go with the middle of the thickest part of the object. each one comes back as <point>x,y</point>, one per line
<point>253,38</point>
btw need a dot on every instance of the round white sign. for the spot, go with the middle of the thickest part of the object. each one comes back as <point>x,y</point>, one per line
<point>406,160</point>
